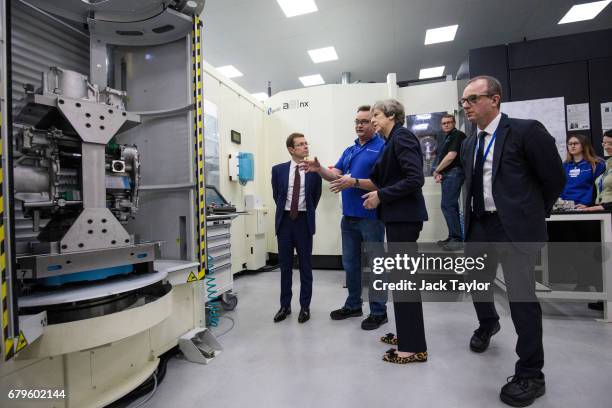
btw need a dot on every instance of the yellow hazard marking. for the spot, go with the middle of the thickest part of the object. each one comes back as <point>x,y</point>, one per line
<point>196,60</point>
<point>8,347</point>
<point>21,342</point>
<point>192,277</point>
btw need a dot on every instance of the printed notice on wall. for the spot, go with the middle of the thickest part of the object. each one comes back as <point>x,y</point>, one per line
<point>606,116</point>
<point>549,111</point>
<point>578,117</point>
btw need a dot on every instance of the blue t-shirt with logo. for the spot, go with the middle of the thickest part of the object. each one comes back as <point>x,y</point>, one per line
<point>358,161</point>
<point>580,181</point>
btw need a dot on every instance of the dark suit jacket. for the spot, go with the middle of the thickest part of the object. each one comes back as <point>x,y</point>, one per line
<point>527,179</point>
<point>280,183</point>
<point>398,174</point>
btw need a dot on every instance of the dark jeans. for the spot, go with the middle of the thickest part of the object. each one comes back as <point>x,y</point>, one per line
<point>452,181</point>
<point>294,234</point>
<point>518,269</point>
<point>355,232</point>
<point>408,314</point>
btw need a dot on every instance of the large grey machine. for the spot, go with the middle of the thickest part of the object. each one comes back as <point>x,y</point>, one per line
<point>103,232</point>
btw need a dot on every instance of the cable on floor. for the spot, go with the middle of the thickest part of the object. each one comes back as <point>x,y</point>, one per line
<point>226,330</point>
<point>150,394</point>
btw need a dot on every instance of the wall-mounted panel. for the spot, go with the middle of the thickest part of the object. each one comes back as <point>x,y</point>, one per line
<point>600,81</point>
<point>569,80</point>
<point>559,50</point>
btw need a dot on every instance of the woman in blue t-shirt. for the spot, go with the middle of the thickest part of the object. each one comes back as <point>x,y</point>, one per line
<point>582,167</point>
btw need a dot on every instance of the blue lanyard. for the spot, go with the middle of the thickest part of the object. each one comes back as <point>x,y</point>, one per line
<point>484,158</point>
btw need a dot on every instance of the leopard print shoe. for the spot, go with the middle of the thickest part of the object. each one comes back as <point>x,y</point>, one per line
<point>392,357</point>
<point>389,338</point>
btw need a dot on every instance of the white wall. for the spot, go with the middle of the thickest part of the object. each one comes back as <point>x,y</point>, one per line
<point>428,98</point>
<point>237,110</point>
<point>328,125</point>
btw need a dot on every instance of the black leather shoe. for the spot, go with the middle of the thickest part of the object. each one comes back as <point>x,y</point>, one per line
<point>344,313</point>
<point>482,337</point>
<point>304,315</point>
<point>521,392</point>
<point>282,314</point>
<point>373,322</point>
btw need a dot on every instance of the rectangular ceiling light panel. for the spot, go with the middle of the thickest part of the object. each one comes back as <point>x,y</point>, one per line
<point>293,8</point>
<point>229,71</point>
<point>432,72</point>
<point>323,54</point>
<point>586,11</point>
<point>311,80</point>
<point>439,35</point>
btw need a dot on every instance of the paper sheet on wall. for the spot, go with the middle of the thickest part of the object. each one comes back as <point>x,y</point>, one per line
<point>578,117</point>
<point>606,116</point>
<point>549,111</point>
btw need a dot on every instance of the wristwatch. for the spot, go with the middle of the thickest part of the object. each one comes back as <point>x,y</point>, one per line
<point>356,183</point>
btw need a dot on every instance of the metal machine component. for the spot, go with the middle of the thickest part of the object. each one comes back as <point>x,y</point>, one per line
<point>86,183</point>
<point>49,163</point>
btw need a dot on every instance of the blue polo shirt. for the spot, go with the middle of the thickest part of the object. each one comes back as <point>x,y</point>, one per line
<point>580,180</point>
<point>358,161</point>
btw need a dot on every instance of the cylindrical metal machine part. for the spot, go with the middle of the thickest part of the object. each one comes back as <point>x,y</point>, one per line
<point>68,83</point>
<point>35,204</point>
<point>29,179</point>
<point>346,78</point>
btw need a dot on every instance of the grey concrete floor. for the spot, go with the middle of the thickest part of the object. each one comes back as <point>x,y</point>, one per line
<point>325,363</point>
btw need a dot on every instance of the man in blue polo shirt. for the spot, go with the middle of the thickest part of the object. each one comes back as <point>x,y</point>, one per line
<point>351,176</point>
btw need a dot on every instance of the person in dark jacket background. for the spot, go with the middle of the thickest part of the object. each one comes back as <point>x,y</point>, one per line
<point>449,173</point>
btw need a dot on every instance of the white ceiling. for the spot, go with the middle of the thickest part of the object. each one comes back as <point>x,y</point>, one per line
<point>372,38</point>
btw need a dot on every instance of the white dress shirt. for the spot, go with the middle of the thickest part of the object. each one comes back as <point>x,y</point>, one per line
<point>302,200</point>
<point>487,169</point>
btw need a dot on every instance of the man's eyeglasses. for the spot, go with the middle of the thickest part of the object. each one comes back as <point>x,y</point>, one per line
<point>472,99</point>
<point>448,123</point>
<point>362,122</point>
<point>301,144</point>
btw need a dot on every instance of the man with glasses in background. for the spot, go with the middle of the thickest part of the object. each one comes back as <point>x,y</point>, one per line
<point>513,176</point>
<point>350,175</point>
<point>450,173</point>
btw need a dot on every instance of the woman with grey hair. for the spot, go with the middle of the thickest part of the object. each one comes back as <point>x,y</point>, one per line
<point>398,175</point>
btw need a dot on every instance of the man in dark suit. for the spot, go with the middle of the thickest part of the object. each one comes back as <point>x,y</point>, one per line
<point>513,176</point>
<point>296,194</point>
